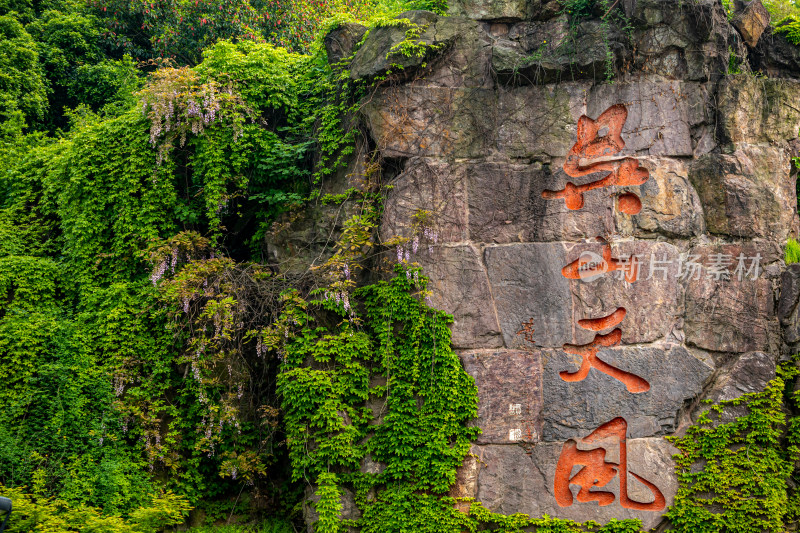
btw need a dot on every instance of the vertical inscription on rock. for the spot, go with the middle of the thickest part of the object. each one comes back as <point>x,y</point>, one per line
<point>596,150</point>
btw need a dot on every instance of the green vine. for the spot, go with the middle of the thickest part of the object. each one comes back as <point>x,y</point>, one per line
<point>733,476</point>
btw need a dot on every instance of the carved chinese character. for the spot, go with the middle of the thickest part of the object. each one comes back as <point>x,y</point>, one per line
<point>593,153</point>
<point>597,472</point>
<point>527,331</point>
<point>588,352</point>
<point>591,265</point>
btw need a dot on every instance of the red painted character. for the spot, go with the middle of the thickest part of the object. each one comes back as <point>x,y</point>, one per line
<point>596,472</point>
<point>588,352</point>
<point>593,153</point>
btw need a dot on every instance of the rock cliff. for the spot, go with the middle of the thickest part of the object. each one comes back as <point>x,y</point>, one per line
<point>611,250</point>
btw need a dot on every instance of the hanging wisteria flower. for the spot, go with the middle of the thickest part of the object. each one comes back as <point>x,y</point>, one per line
<point>176,102</point>
<point>399,254</point>
<point>158,272</point>
<point>415,244</point>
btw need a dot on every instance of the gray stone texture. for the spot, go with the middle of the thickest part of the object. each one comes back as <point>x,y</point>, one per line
<point>510,395</point>
<point>342,41</point>
<point>429,191</point>
<point>575,409</point>
<point>748,193</point>
<point>504,10</point>
<point>460,287</point>
<point>732,315</point>
<point>512,479</point>
<point>788,308</point>
<point>528,284</point>
<point>743,374</point>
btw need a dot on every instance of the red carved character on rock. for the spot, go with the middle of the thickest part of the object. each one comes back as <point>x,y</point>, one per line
<point>593,153</point>
<point>597,472</point>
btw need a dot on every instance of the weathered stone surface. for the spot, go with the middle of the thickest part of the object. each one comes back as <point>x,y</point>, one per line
<point>516,211</point>
<point>754,110</point>
<point>689,40</point>
<point>432,121</point>
<point>513,481</point>
<point>537,122</point>
<point>651,302</point>
<point>529,122</point>
<point>788,308</point>
<point>510,394</point>
<point>457,47</point>
<point>744,374</point>
<point>749,193</point>
<point>508,481</point>
<point>552,51</point>
<point>341,41</point>
<point>731,315</point>
<point>505,10</point>
<point>464,63</point>
<point>670,205</point>
<point>775,57</point>
<point>429,190</point>
<point>528,284</point>
<point>460,287</point>
<point>658,116</point>
<point>376,54</point>
<point>544,35</point>
<point>752,21</point>
<point>573,409</point>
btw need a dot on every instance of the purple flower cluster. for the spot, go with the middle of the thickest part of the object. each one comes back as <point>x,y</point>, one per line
<point>158,272</point>
<point>119,385</point>
<point>340,298</point>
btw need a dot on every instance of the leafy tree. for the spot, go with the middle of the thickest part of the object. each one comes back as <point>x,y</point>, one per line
<point>23,87</point>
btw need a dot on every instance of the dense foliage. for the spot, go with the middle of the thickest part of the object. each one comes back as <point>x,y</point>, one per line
<point>110,395</point>
<point>734,476</point>
<point>153,362</point>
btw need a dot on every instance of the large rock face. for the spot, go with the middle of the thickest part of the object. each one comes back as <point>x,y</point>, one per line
<point>611,252</point>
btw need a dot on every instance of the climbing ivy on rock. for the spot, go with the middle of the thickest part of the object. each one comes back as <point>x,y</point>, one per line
<point>733,476</point>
